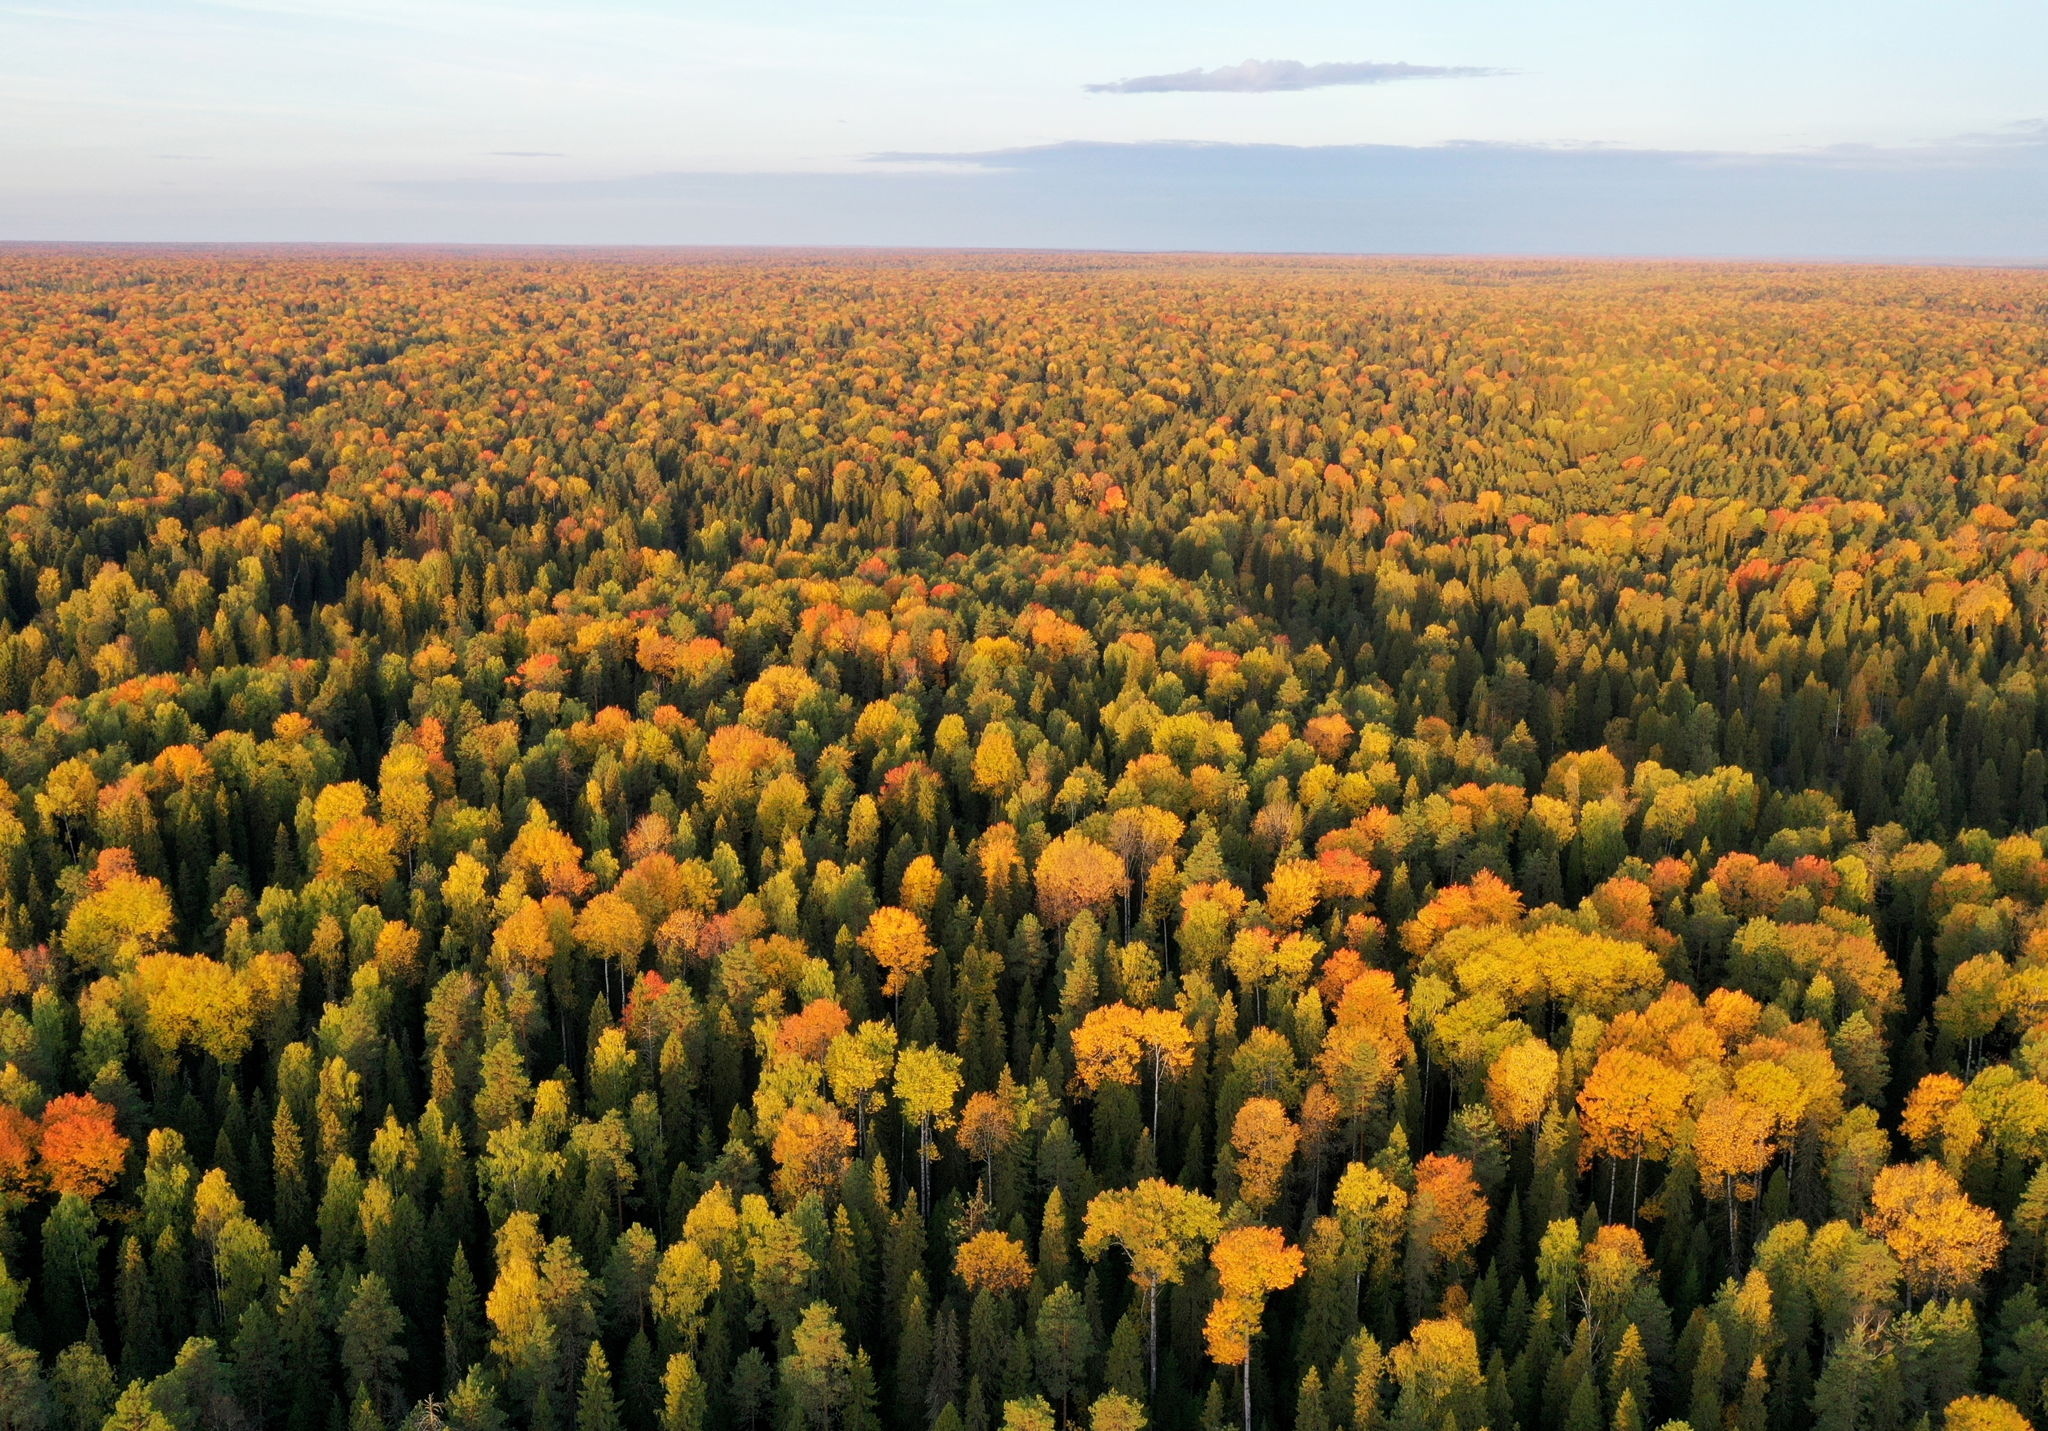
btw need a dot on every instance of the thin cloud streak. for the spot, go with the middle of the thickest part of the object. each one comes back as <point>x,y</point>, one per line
<point>1282,76</point>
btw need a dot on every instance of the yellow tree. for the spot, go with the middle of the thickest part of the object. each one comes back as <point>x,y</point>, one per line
<point>1292,892</point>
<point>1439,1374</point>
<point>997,769</point>
<point>1983,1413</point>
<point>1264,1138</point>
<point>1112,1040</point>
<point>1447,1216</point>
<point>1372,1210</point>
<point>1114,1411</point>
<point>993,1262</point>
<point>1521,1083</point>
<point>896,939</point>
<point>683,1283</point>
<point>1944,1242</point>
<point>1251,1264</point>
<point>548,857</point>
<point>122,917</point>
<point>1363,1052</point>
<point>1106,1047</point>
<point>988,1125</point>
<point>524,942</point>
<point>1074,873</point>
<point>812,1144</point>
<point>610,928</point>
<point>855,1065</point>
<point>927,1082</point>
<point>1731,1144</point>
<point>405,795</point>
<point>359,853</point>
<point>1162,1229</point>
<point>1170,1046</point>
<point>1629,1107</point>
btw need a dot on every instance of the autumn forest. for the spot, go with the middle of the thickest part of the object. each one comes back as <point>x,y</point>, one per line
<point>650,842</point>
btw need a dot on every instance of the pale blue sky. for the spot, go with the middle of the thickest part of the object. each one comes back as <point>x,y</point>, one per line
<point>1751,126</point>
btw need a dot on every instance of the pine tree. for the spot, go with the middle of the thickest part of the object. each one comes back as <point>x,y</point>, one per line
<point>1708,1372</point>
<point>134,1411</point>
<point>462,1329</point>
<point>1310,1411</point>
<point>1125,1371</point>
<point>1629,1372</point>
<point>1062,1345</point>
<point>596,1408</point>
<point>1752,1412</point>
<point>473,1404</point>
<point>914,1364</point>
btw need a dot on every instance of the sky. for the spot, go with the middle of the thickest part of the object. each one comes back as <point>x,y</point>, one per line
<point>1759,128</point>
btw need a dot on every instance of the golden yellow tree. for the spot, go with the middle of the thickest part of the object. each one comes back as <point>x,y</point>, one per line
<point>1251,1264</point>
<point>1731,1144</point>
<point>896,939</point>
<point>1983,1413</point>
<point>1264,1138</point>
<point>1944,1242</point>
<point>1372,1211</point>
<point>927,1082</point>
<point>1292,892</point>
<point>988,1125</point>
<point>1106,1047</point>
<point>1629,1108</point>
<point>1074,873</point>
<point>812,1145</point>
<point>1113,1040</point>
<point>1521,1084</point>
<point>1162,1229</point>
<point>993,1262</point>
<point>997,769</point>
<point>1448,1213</point>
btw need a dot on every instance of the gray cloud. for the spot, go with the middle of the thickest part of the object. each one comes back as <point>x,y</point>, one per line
<point>2021,131</point>
<point>527,154</point>
<point>1272,76</point>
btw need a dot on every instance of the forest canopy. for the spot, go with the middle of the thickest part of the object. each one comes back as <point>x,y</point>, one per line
<point>640,842</point>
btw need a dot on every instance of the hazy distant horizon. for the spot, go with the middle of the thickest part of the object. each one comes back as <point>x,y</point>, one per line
<point>482,248</point>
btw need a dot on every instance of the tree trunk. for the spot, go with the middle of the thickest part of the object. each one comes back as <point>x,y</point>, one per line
<point>1152,1339</point>
<point>1154,1130</point>
<point>1734,1257</point>
<point>924,1168</point>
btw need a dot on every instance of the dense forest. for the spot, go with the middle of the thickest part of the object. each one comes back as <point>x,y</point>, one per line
<point>642,842</point>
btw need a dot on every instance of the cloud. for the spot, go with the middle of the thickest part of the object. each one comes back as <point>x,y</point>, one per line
<point>527,154</point>
<point>2021,131</point>
<point>1272,76</point>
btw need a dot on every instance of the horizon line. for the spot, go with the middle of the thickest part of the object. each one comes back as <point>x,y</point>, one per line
<point>508,247</point>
